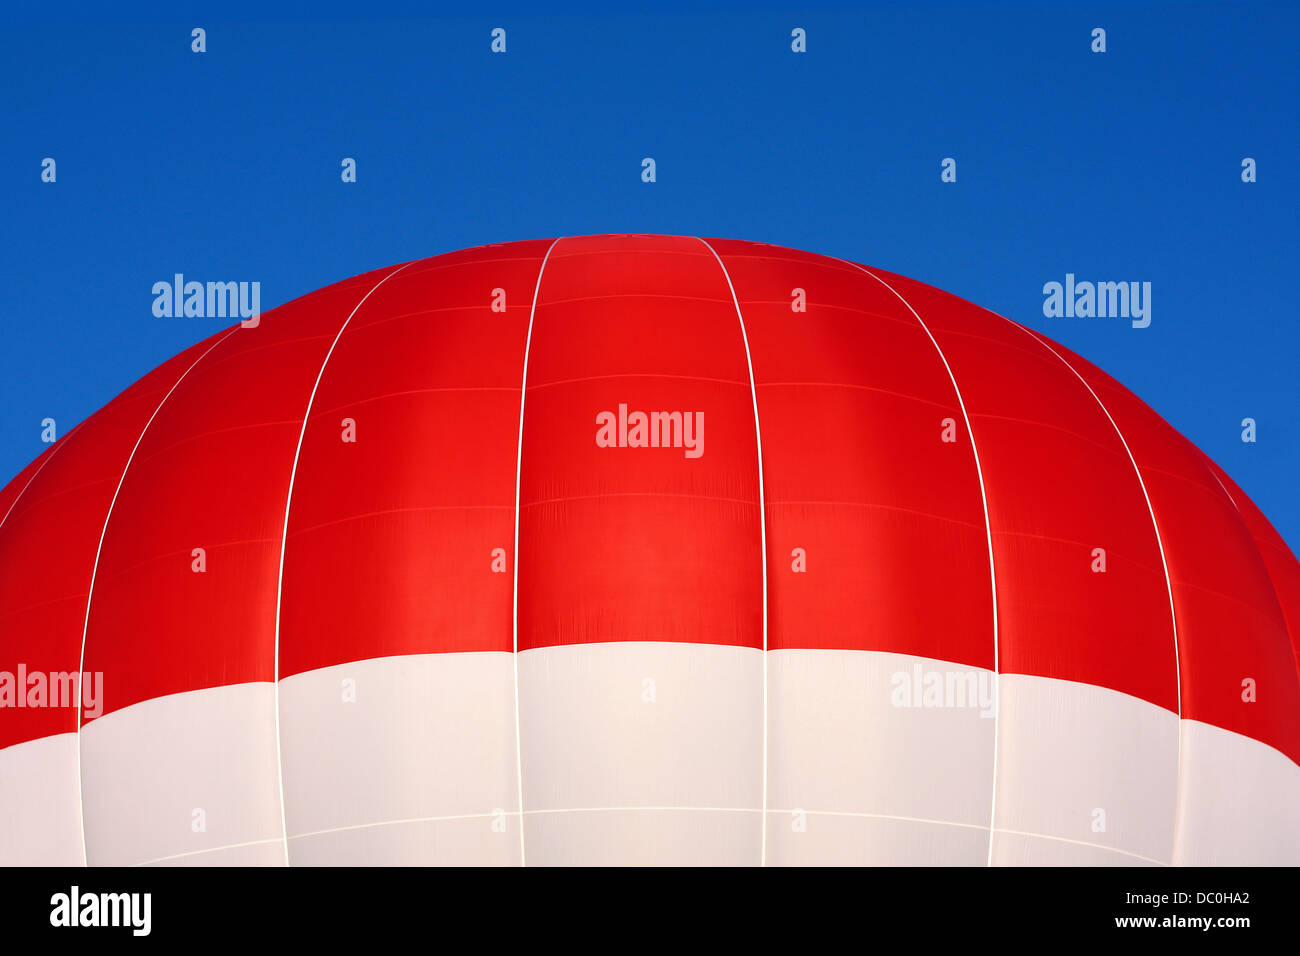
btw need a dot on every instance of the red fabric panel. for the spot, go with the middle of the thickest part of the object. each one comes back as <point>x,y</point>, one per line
<point>1230,626</point>
<point>852,395</point>
<point>637,544</point>
<point>1283,569</point>
<point>49,540</point>
<point>211,472</point>
<point>431,376</point>
<point>1059,484</point>
<point>10,492</point>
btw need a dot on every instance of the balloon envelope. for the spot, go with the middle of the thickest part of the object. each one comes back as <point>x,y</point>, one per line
<point>641,549</point>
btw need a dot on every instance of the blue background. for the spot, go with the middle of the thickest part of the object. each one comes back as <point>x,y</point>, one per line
<point>225,166</point>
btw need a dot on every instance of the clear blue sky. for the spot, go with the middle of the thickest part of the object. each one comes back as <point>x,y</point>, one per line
<point>225,165</point>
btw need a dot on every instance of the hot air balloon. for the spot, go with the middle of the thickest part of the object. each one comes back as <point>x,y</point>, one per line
<point>634,549</point>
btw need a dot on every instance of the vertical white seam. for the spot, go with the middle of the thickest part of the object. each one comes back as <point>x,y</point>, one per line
<point>1169,588</point>
<point>94,570</point>
<point>519,463</point>
<point>988,530</point>
<point>284,538</point>
<point>1212,474</point>
<point>762,527</point>
<point>53,451</point>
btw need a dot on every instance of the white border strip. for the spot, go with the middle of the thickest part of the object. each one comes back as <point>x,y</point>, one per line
<point>90,594</point>
<point>284,537</point>
<point>988,530</point>
<point>519,466</point>
<point>762,526</point>
<point>1169,588</point>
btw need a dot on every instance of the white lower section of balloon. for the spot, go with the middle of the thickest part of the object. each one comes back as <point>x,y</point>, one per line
<point>650,753</point>
<point>40,817</point>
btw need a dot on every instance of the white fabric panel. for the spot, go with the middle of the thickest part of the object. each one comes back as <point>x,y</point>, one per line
<point>1239,801</point>
<point>643,837</point>
<point>843,739</point>
<point>146,769</point>
<point>466,841</point>
<point>40,815</point>
<point>1069,753</point>
<point>835,839</point>
<point>420,769</point>
<point>594,745</point>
